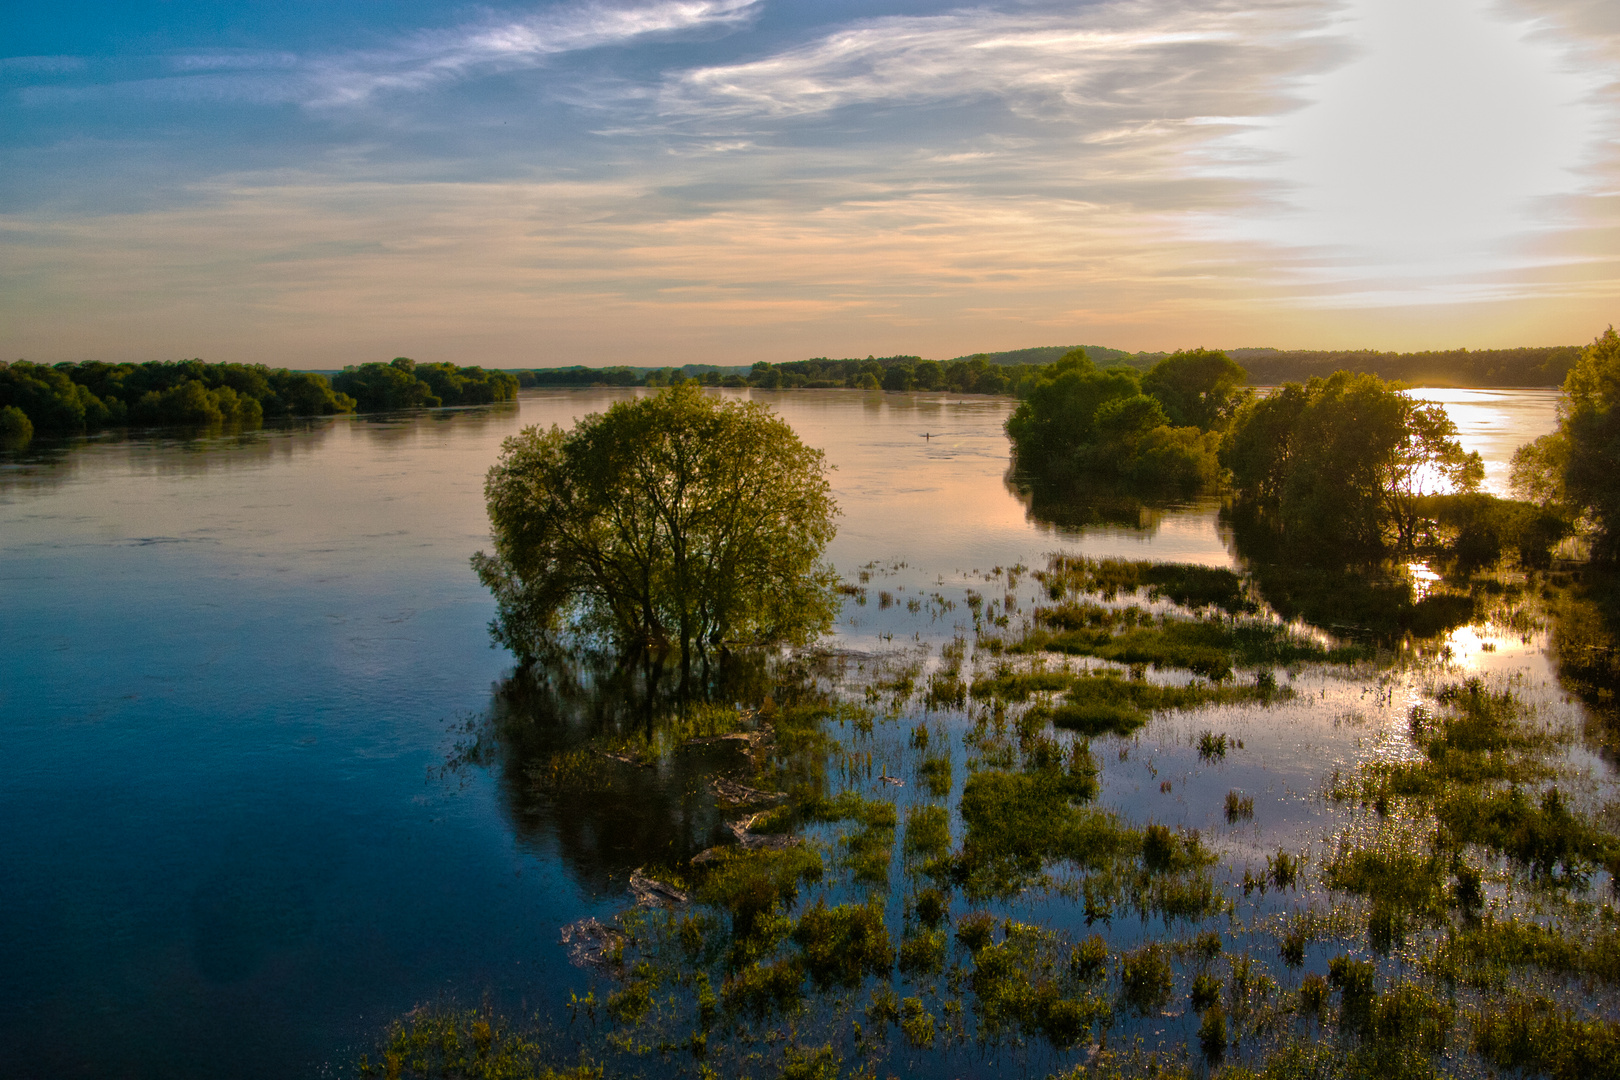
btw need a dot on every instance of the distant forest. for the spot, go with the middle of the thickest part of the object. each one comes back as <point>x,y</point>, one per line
<point>1005,372</point>
<point>67,398</point>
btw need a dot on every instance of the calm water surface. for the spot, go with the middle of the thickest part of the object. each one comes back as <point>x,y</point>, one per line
<point>232,669</point>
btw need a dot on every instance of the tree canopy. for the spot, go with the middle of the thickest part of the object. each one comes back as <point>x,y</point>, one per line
<point>1346,462</point>
<point>1577,468</point>
<point>402,383</point>
<point>1082,423</point>
<point>675,521</point>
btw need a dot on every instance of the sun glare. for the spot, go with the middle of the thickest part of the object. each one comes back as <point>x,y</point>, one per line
<point>1436,141</point>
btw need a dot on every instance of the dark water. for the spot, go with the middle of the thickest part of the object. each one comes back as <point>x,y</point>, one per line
<point>232,671</point>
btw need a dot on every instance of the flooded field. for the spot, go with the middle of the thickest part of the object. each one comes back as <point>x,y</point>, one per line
<point>1035,805</point>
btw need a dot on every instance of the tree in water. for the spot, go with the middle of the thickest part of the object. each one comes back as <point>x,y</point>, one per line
<point>1343,463</point>
<point>1577,468</point>
<point>670,522</point>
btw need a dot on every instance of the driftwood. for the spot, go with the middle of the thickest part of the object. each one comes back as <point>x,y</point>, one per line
<point>650,892</point>
<point>735,794</point>
<point>593,945</point>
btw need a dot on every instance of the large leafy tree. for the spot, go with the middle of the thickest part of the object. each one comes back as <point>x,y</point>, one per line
<point>670,522</point>
<point>1344,462</point>
<point>1079,425</point>
<point>1199,388</point>
<point>1577,468</point>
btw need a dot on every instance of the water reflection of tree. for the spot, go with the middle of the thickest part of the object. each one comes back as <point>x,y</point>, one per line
<point>1367,599</point>
<point>1586,645</point>
<point>549,738</point>
<point>1067,506</point>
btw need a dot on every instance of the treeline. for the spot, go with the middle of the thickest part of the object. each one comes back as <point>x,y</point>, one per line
<point>402,383</point>
<point>969,375</point>
<point>1541,366</point>
<point>68,399</point>
<point>65,399</point>
<point>1335,468</point>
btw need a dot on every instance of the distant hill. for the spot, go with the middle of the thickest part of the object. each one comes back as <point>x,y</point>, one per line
<point>1046,354</point>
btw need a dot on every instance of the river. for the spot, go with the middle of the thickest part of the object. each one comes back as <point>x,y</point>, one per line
<point>232,670</point>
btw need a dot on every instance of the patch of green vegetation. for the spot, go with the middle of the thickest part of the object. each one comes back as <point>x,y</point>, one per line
<point>1017,821</point>
<point>1206,991</point>
<point>753,885</point>
<point>843,944</point>
<point>923,952</point>
<point>1144,977</point>
<point>1089,959</point>
<point>931,906</point>
<point>928,833</point>
<point>935,773</point>
<point>1239,807</point>
<point>917,1023</point>
<point>1210,647</point>
<point>868,849</point>
<point>1399,879</point>
<point>1182,583</point>
<point>1212,1036</point>
<point>469,1043</point>
<point>1019,985</point>
<point>817,1063</point>
<point>1482,954</point>
<point>761,990</point>
<point>1541,834</point>
<point>1536,1036</point>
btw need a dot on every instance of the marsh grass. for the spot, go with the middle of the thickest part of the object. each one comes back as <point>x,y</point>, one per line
<point>1471,851</point>
<point>477,1044</point>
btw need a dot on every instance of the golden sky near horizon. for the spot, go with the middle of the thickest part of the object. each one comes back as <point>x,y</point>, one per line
<point>726,181</point>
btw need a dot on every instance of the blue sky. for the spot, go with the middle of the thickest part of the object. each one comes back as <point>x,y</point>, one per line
<point>670,181</point>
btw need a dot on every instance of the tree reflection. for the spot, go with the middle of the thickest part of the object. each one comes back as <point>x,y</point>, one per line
<point>1071,507</point>
<point>593,760</point>
<point>1380,601</point>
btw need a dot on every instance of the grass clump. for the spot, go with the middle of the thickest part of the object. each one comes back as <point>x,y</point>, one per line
<point>1017,821</point>
<point>1212,1037</point>
<point>867,849</point>
<point>470,1043</point>
<point>1145,980</point>
<point>1542,834</point>
<point>1396,877</point>
<point>1483,954</point>
<point>1210,647</point>
<point>1239,807</point>
<point>923,952</point>
<point>928,833</point>
<point>1089,959</point>
<point>842,945</point>
<point>1536,1036</point>
<point>816,1063</point>
<point>1018,985</point>
<point>931,907</point>
<point>1206,991</point>
<point>917,1023</point>
<point>754,885</point>
<point>1184,583</point>
<point>761,990</point>
<point>935,774</point>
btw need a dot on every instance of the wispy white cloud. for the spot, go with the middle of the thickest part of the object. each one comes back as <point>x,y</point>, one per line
<point>414,64</point>
<point>1168,58</point>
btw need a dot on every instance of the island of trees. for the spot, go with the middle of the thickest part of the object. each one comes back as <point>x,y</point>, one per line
<point>68,399</point>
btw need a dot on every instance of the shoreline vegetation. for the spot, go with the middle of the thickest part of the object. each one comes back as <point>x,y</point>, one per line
<point>76,398</point>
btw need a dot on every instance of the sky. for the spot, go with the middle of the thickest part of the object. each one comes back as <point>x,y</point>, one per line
<point>313,184</point>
